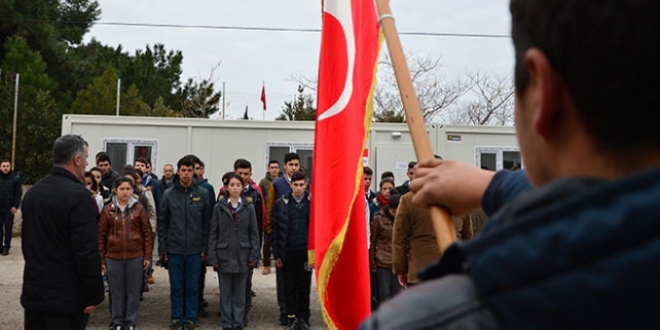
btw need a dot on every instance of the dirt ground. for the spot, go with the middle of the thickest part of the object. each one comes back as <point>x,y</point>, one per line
<point>155,309</point>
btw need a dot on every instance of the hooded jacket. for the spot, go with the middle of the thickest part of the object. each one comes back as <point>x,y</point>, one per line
<point>234,238</point>
<point>124,234</point>
<point>577,253</point>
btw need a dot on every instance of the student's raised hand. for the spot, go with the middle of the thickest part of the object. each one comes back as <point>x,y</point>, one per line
<point>455,185</point>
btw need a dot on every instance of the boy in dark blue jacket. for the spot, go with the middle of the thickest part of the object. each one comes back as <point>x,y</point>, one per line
<point>289,242</point>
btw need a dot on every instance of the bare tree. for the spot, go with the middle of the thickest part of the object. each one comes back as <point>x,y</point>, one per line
<point>434,96</point>
<point>490,101</point>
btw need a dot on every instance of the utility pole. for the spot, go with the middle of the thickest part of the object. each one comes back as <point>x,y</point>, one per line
<point>118,95</point>
<point>223,100</point>
<point>13,139</point>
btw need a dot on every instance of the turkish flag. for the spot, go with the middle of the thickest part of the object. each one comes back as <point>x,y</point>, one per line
<point>338,230</point>
<point>263,96</point>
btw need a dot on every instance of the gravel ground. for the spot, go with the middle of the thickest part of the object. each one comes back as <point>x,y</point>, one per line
<point>155,309</point>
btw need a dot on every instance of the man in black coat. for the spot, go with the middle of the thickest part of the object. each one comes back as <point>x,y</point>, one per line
<point>10,200</point>
<point>62,280</point>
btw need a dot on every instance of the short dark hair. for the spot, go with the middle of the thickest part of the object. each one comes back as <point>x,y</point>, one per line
<point>142,160</point>
<point>384,181</point>
<point>66,147</point>
<point>387,174</point>
<point>185,161</point>
<point>412,164</point>
<point>604,53</point>
<point>291,156</point>
<point>298,175</point>
<point>368,170</point>
<point>103,156</point>
<point>242,163</point>
<point>273,161</point>
<point>195,159</point>
<point>5,160</point>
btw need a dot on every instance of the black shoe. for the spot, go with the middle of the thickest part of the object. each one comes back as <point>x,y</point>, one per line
<point>284,320</point>
<point>303,325</point>
<point>5,251</point>
<point>202,313</point>
<point>204,303</point>
<point>292,324</point>
<point>175,325</point>
<point>254,294</point>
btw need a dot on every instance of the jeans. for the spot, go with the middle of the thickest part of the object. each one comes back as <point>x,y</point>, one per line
<point>184,277</point>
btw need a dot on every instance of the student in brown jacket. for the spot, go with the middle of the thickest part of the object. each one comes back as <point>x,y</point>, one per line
<point>125,243</point>
<point>413,241</point>
<point>380,250</point>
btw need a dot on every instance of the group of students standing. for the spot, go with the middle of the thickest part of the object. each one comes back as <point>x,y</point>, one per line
<point>401,236</point>
<point>196,229</point>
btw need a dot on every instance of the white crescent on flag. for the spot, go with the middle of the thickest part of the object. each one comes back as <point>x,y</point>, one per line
<point>341,11</point>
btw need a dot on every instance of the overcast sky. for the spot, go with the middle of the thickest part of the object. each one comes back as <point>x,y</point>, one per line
<point>247,58</point>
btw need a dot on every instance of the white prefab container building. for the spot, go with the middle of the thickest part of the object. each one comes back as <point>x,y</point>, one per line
<point>220,142</point>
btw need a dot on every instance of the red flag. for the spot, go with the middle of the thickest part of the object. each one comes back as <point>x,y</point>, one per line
<point>338,236</point>
<point>263,96</point>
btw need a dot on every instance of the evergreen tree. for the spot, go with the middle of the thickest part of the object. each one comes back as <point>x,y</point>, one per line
<point>301,108</point>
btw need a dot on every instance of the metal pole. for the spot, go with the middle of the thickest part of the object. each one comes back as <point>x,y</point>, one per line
<point>13,139</point>
<point>118,94</point>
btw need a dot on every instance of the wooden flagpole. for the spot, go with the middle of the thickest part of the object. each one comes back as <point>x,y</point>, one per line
<point>442,224</point>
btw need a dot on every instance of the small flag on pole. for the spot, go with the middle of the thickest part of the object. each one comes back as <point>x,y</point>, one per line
<point>263,96</point>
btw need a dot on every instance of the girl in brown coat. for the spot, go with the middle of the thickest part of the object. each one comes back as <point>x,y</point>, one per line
<point>125,243</point>
<point>380,251</point>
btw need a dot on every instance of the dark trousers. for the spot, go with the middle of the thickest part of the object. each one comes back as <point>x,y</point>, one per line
<point>232,299</point>
<point>184,278</point>
<point>298,284</point>
<point>280,281</point>
<point>373,282</point>
<point>7,226</point>
<point>43,321</point>
<point>266,250</point>
<point>125,282</point>
<point>388,284</point>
